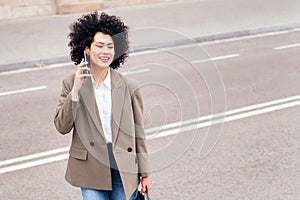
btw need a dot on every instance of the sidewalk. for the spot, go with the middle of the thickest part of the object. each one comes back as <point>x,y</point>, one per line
<point>28,41</point>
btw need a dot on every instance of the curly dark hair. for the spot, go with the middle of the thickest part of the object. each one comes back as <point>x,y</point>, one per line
<point>84,29</point>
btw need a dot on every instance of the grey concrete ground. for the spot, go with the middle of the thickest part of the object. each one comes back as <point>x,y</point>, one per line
<point>256,157</point>
<point>257,153</point>
<point>28,41</point>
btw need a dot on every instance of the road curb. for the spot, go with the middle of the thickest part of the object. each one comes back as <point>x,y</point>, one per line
<point>220,36</point>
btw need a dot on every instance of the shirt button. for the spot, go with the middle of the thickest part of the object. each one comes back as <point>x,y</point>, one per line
<point>129,149</point>
<point>92,144</point>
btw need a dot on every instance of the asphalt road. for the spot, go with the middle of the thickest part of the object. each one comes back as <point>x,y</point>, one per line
<point>253,155</point>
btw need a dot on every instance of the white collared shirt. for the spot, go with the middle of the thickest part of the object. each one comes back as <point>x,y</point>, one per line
<point>103,99</point>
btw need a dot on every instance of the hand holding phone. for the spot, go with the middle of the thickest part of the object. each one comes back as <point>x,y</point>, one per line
<point>82,71</point>
<point>86,59</point>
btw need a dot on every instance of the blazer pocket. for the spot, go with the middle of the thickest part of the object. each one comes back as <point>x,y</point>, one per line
<point>80,154</point>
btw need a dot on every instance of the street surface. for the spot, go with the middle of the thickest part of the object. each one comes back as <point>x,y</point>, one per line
<point>45,39</point>
<point>254,79</point>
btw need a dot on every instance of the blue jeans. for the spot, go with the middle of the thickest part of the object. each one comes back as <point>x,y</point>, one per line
<point>117,192</point>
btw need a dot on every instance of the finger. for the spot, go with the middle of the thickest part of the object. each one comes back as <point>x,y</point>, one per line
<point>144,189</point>
<point>86,72</point>
<point>85,68</point>
<point>84,75</point>
<point>83,63</point>
<point>82,70</point>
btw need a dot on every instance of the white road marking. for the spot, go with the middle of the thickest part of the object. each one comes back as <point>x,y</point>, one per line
<point>125,73</point>
<point>228,116</point>
<point>215,58</point>
<point>44,87</point>
<point>23,90</point>
<point>226,113</point>
<point>136,72</point>
<point>34,156</point>
<point>199,44</point>
<point>224,120</point>
<point>66,64</point>
<point>287,46</point>
<point>251,37</point>
<point>33,163</point>
<point>138,53</point>
<point>160,50</point>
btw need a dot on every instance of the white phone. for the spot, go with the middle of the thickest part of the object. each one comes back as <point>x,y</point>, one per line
<point>86,59</point>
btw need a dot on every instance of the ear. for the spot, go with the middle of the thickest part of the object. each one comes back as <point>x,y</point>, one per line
<point>87,50</point>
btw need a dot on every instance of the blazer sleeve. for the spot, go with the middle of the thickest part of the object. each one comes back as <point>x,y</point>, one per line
<point>141,143</point>
<point>66,110</point>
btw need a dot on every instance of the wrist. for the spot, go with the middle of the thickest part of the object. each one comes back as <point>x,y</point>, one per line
<point>74,94</point>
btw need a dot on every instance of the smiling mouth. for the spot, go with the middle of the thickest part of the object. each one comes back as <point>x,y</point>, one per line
<point>104,58</point>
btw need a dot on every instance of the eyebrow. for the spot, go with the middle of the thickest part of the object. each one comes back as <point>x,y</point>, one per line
<point>110,43</point>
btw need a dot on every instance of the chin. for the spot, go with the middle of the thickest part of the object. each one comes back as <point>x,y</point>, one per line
<point>103,66</point>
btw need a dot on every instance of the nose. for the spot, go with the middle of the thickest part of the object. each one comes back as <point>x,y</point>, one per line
<point>106,50</point>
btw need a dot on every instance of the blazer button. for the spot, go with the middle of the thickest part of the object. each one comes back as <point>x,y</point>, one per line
<point>129,149</point>
<point>92,144</point>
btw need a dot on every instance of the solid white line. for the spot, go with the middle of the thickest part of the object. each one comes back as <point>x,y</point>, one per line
<point>66,64</point>
<point>23,90</point>
<point>219,121</point>
<point>199,44</point>
<point>287,46</point>
<point>136,72</point>
<point>227,113</point>
<point>254,110</point>
<point>215,58</point>
<point>33,163</point>
<point>34,156</point>
<point>251,37</point>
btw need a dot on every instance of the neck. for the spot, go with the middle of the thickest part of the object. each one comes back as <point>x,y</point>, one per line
<point>99,74</point>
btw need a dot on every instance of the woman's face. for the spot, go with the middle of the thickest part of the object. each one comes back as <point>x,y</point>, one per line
<point>102,50</point>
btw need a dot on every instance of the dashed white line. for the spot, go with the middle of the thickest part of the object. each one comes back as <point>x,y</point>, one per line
<point>67,64</point>
<point>23,90</point>
<point>45,87</point>
<point>125,73</point>
<point>216,58</point>
<point>287,46</point>
<point>168,49</point>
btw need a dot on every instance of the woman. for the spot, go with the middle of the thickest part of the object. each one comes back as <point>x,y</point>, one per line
<point>108,155</point>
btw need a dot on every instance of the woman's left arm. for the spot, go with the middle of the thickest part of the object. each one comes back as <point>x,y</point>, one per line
<point>141,143</point>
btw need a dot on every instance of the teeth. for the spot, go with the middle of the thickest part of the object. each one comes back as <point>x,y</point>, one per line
<point>104,58</point>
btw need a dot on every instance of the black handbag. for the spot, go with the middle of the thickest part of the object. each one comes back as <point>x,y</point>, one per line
<point>142,197</point>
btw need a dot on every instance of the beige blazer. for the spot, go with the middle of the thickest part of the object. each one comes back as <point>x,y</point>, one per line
<point>88,164</point>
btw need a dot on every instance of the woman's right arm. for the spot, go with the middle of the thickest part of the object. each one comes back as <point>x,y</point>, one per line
<point>68,103</point>
<point>66,109</point>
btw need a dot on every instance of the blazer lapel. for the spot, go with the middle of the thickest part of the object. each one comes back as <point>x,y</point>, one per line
<point>88,98</point>
<point>118,91</point>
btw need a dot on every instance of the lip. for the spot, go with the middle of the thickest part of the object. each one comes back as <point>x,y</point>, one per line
<point>104,58</point>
